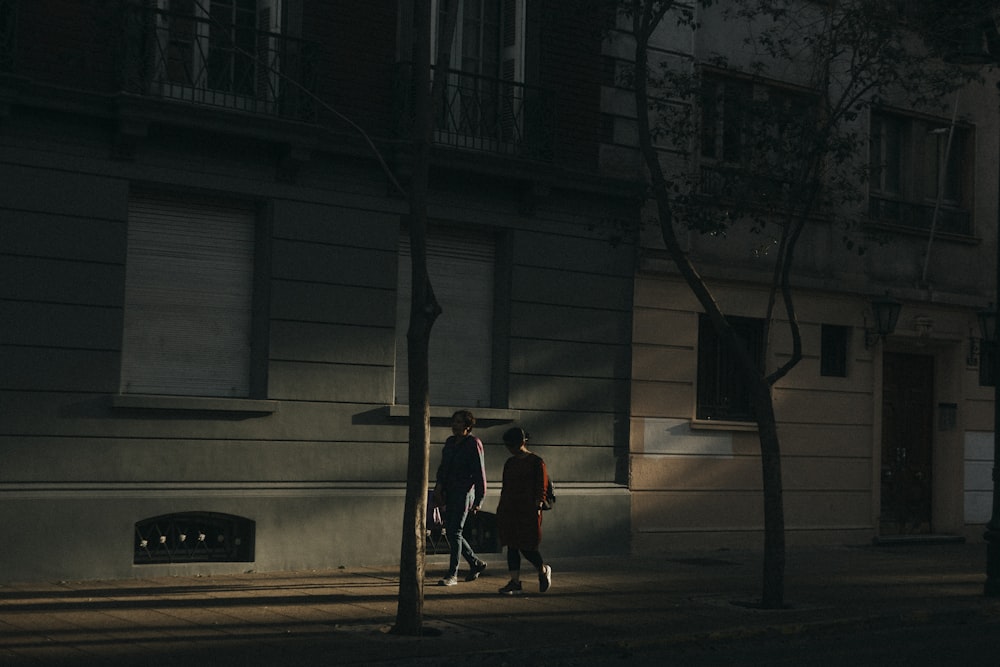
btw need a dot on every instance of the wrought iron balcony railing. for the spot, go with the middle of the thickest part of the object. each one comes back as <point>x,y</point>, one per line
<point>738,184</point>
<point>485,114</point>
<point>199,60</point>
<point>950,220</point>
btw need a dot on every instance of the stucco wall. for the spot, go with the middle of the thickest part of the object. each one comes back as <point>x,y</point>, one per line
<point>697,484</point>
<point>323,474</point>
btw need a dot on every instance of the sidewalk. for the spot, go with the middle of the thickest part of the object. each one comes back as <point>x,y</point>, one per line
<point>597,611</point>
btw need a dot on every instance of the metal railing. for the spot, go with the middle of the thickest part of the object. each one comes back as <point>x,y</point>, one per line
<point>198,60</point>
<point>738,184</point>
<point>950,220</point>
<point>485,114</point>
<point>191,537</point>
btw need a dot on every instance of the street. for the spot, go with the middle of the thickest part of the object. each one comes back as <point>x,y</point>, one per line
<point>971,643</point>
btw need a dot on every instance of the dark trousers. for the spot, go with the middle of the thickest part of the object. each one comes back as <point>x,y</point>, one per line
<point>533,556</point>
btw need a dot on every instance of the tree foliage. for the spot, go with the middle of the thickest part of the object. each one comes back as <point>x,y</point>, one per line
<point>797,143</point>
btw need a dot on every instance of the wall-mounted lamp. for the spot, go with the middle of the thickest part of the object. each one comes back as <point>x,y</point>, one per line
<point>886,312</point>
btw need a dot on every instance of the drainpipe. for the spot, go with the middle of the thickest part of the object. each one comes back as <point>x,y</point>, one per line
<point>942,177</point>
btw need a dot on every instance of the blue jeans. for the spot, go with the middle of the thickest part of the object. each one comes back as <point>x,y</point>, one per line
<point>454,521</point>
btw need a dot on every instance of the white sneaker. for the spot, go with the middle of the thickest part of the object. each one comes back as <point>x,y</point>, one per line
<point>449,581</point>
<point>544,578</point>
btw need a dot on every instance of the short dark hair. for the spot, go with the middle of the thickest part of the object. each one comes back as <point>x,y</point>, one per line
<point>466,417</point>
<point>515,436</point>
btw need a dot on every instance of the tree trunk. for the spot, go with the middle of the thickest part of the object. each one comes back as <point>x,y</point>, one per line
<point>424,309</point>
<point>773,588</point>
<point>646,18</point>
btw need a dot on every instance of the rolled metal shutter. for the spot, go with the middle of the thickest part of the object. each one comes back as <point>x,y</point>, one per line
<point>461,268</point>
<point>188,297</point>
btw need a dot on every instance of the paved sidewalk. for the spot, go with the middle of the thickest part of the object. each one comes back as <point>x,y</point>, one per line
<point>599,610</point>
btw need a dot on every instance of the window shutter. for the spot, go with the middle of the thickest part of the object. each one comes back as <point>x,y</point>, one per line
<point>188,292</point>
<point>270,62</point>
<point>263,54</point>
<point>461,269</point>
<point>512,31</point>
<point>512,71</point>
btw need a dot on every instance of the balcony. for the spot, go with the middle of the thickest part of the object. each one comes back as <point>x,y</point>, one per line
<point>950,220</point>
<point>736,184</point>
<point>485,115</point>
<point>197,60</point>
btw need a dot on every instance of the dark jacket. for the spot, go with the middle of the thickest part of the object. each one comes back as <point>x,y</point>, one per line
<point>462,469</point>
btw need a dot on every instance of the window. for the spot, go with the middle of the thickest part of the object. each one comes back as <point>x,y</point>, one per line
<point>919,171</point>
<point>218,52</point>
<point>475,48</point>
<point>722,395</point>
<point>484,105</point>
<point>188,297</point>
<point>724,114</point>
<point>833,350</point>
<point>461,266</point>
<point>747,133</point>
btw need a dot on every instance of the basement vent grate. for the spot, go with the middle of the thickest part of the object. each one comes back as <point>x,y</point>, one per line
<point>194,537</point>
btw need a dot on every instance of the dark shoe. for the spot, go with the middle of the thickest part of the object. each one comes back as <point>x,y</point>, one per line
<point>544,578</point>
<point>512,588</point>
<point>476,570</point>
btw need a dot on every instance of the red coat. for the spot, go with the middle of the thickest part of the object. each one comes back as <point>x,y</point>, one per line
<point>519,522</point>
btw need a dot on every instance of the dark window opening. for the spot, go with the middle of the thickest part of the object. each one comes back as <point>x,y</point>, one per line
<point>722,393</point>
<point>833,351</point>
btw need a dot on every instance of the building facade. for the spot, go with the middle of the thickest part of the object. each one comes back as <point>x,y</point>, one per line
<point>883,437</point>
<point>205,279</point>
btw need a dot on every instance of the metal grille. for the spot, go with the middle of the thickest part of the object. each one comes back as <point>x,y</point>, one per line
<point>485,114</point>
<point>738,184</point>
<point>193,537</point>
<point>201,60</point>
<point>946,219</point>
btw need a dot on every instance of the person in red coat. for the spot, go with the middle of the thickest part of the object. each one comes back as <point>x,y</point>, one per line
<point>519,514</point>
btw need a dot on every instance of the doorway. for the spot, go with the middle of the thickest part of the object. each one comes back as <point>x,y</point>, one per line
<point>907,437</point>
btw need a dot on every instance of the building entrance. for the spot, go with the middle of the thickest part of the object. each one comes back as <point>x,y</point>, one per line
<point>907,434</point>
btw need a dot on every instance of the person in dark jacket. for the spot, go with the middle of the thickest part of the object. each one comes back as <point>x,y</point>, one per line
<point>460,487</point>
<point>519,514</point>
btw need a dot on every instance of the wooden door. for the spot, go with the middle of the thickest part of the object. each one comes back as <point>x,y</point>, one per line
<point>907,435</point>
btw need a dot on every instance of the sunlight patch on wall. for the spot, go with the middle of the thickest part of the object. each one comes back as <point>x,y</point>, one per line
<point>674,436</point>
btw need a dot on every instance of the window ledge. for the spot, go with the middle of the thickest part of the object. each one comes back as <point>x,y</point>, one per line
<point>192,403</point>
<point>909,230</point>
<point>721,425</point>
<point>498,415</point>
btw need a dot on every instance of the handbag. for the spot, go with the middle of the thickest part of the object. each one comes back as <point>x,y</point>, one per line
<point>550,497</point>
